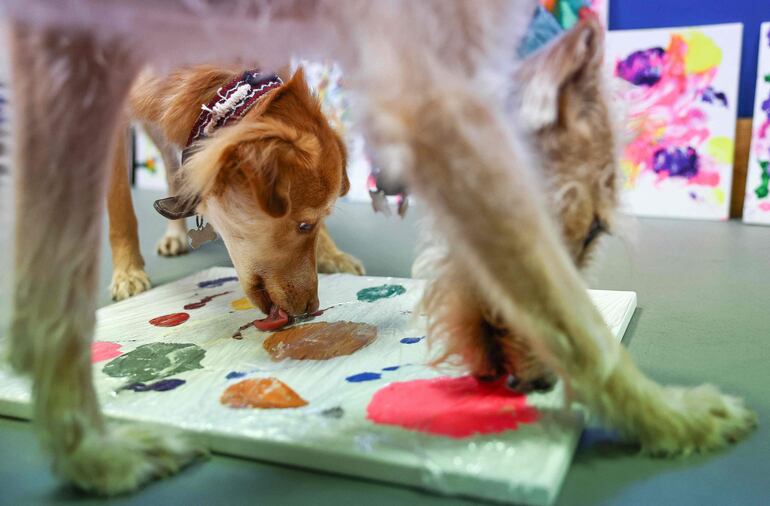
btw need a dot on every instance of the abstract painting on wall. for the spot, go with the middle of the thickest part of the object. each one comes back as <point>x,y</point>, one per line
<point>149,170</point>
<point>350,392</point>
<point>756,205</point>
<point>678,88</point>
<point>568,12</point>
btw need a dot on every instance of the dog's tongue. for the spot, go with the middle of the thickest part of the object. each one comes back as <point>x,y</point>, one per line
<point>275,320</point>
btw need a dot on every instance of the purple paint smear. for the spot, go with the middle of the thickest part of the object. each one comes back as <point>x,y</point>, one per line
<point>711,96</point>
<point>159,386</point>
<point>677,162</point>
<point>216,282</point>
<point>412,340</point>
<point>642,68</point>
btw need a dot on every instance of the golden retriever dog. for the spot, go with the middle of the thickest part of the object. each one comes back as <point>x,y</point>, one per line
<point>432,81</point>
<point>265,182</point>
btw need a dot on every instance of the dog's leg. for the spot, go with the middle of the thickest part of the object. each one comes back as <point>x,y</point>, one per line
<point>174,241</point>
<point>128,276</point>
<point>460,155</point>
<point>331,259</point>
<point>69,93</point>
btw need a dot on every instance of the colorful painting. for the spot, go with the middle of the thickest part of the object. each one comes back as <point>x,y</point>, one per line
<point>149,171</point>
<point>347,392</point>
<point>568,12</point>
<point>679,89</point>
<point>756,205</point>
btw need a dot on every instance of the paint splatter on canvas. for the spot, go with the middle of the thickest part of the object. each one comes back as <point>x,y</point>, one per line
<point>679,90</point>
<point>454,407</point>
<point>756,205</point>
<point>352,391</point>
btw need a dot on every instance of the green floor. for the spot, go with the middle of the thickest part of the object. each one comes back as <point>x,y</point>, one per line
<point>703,316</point>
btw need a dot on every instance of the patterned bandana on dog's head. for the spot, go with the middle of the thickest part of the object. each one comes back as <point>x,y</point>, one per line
<point>232,101</point>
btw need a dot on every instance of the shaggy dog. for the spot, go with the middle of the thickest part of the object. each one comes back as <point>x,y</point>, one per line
<point>265,181</point>
<point>432,78</point>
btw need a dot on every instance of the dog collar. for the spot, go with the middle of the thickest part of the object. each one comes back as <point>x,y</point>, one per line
<point>231,102</point>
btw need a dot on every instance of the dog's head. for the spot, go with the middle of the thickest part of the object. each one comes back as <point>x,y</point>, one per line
<point>564,109</point>
<point>266,183</point>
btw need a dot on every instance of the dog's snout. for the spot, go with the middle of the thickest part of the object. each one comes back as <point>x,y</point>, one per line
<point>312,305</point>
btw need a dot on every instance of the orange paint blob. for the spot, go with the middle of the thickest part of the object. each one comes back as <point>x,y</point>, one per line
<point>263,393</point>
<point>319,341</point>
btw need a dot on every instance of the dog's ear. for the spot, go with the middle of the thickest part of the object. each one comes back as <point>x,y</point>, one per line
<point>573,60</point>
<point>345,185</point>
<point>261,155</point>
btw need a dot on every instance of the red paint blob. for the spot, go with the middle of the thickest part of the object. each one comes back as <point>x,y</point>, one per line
<point>170,320</point>
<point>101,351</point>
<point>203,301</point>
<point>454,407</point>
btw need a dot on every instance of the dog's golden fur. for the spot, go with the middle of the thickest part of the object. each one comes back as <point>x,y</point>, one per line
<point>432,80</point>
<point>279,166</point>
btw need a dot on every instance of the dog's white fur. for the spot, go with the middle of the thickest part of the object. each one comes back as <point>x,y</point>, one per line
<point>430,76</point>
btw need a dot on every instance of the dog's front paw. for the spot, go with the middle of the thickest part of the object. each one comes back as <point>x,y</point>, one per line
<point>125,459</point>
<point>341,262</point>
<point>697,420</point>
<point>127,283</point>
<point>173,243</point>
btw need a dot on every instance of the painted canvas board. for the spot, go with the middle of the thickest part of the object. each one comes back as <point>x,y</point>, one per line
<point>756,205</point>
<point>678,88</point>
<point>169,357</point>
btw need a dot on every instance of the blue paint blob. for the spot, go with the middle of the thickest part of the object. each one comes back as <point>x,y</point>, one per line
<point>159,386</point>
<point>235,374</point>
<point>391,368</point>
<point>412,340</point>
<point>678,162</point>
<point>712,96</point>
<point>216,282</point>
<point>364,376</point>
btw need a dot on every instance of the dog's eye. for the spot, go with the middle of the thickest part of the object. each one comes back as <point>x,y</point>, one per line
<point>597,227</point>
<point>305,227</point>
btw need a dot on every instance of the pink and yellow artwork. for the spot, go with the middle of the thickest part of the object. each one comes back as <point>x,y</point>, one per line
<point>677,89</point>
<point>756,205</point>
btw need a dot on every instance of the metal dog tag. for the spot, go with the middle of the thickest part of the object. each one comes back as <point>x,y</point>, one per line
<point>201,235</point>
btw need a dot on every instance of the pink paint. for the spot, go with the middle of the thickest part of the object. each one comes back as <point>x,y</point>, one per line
<point>764,206</point>
<point>170,320</point>
<point>102,350</point>
<point>454,407</point>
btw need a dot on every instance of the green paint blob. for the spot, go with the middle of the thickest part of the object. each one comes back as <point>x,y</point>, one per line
<point>156,361</point>
<point>380,292</point>
<point>762,190</point>
<point>767,78</point>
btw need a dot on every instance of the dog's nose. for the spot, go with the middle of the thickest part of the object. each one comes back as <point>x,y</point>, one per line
<point>312,305</point>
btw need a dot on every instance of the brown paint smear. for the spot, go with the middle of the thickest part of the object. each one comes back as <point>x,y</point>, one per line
<point>264,393</point>
<point>319,341</point>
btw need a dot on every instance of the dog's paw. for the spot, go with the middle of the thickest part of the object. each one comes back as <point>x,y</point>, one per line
<point>127,283</point>
<point>125,459</point>
<point>525,385</point>
<point>173,243</point>
<point>700,419</point>
<point>341,262</point>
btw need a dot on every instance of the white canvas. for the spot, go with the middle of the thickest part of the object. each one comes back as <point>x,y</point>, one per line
<point>678,89</point>
<point>756,205</point>
<point>523,464</point>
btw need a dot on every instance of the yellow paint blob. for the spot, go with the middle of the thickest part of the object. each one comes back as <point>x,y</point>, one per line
<point>721,149</point>
<point>241,304</point>
<point>702,52</point>
<point>719,195</point>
